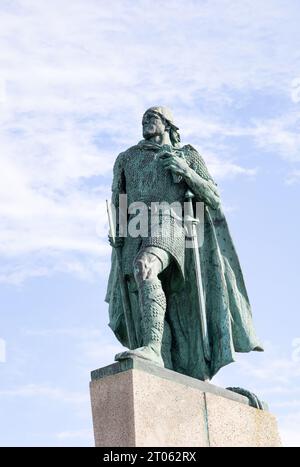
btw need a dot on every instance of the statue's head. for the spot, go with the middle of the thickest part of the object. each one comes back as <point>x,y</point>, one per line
<point>158,120</point>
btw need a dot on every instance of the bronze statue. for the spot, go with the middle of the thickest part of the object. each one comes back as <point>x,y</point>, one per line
<point>185,308</point>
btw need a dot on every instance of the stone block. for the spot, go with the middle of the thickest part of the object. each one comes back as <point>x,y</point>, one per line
<point>137,404</point>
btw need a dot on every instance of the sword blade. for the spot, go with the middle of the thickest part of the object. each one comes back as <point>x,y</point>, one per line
<point>201,299</point>
<point>197,265</point>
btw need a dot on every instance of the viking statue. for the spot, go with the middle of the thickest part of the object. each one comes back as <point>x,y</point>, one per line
<point>184,308</point>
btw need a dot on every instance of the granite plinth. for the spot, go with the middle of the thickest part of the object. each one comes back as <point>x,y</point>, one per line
<point>136,403</point>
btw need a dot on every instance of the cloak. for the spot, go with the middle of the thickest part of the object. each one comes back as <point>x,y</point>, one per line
<point>229,316</point>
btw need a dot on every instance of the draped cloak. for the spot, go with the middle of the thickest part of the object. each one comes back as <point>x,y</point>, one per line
<point>229,316</point>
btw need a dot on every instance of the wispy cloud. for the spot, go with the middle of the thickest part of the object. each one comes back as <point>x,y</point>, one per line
<point>279,370</point>
<point>290,429</point>
<point>294,177</point>
<point>75,80</point>
<point>47,392</point>
<point>93,346</point>
<point>281,135</point>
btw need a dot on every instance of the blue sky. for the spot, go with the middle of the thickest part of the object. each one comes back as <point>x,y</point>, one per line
<point>75,78</point>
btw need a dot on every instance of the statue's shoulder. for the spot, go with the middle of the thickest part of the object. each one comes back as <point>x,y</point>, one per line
<point>189,148</point>
<point>124,155</point>
<point>132,149</point>
<point>191,152</point>
<point>196,161</point>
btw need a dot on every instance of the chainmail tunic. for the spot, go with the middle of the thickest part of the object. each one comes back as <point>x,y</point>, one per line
<point>139,173</point>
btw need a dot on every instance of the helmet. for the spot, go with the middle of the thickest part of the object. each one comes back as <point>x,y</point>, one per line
<point>165,113</point>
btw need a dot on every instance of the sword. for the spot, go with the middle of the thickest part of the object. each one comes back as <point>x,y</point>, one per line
<point>175,152</point>
<point>123,286</point>
<point>189,195</point>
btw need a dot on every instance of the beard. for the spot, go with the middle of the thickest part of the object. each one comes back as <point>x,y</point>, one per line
<point>149,131</point>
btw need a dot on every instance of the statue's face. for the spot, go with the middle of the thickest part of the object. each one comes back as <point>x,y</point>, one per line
<point>153,125</point>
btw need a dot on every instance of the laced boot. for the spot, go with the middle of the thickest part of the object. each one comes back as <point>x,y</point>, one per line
<point>153,307</point>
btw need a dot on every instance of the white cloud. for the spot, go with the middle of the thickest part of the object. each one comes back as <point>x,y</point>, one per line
<point>74,332</point>
<point>47,392</point>
<point>294,177</point>
<point>290,429</point>
<point>275,370</point>
<point>280,135</point>
<point>2,90</point>
<point>295,90</point>
<point>95,348</point>
<point>227,169</point>
<point>76,77</point>
<point>289,404</point>
<point>86,267</point>
<point>279,370</point>
<point>99,353</point>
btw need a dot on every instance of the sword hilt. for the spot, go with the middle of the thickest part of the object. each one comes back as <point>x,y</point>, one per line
<point>189,214</point>
<point>189,194</point>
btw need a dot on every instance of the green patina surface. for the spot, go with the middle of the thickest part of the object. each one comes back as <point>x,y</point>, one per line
<point>164,307</point>
<point>155,370</point>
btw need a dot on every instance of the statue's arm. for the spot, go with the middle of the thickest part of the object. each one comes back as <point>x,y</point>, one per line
<point>194,171</point>
<point>118,188</point>
<point>203,189</point>
<point>199,180</point>
<point>119,182</point>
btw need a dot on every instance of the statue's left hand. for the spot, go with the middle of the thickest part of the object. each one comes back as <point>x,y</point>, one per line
<point>176,164</point>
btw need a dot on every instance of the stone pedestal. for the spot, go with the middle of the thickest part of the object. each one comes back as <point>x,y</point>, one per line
<point>135,403</point>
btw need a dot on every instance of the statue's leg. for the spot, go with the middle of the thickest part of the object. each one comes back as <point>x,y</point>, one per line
<point>152,300</point>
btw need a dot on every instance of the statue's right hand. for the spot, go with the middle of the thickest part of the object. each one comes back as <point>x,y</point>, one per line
<point>118,243</point>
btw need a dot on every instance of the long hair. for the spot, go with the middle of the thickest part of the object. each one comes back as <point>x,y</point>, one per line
<point>174,136</point>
